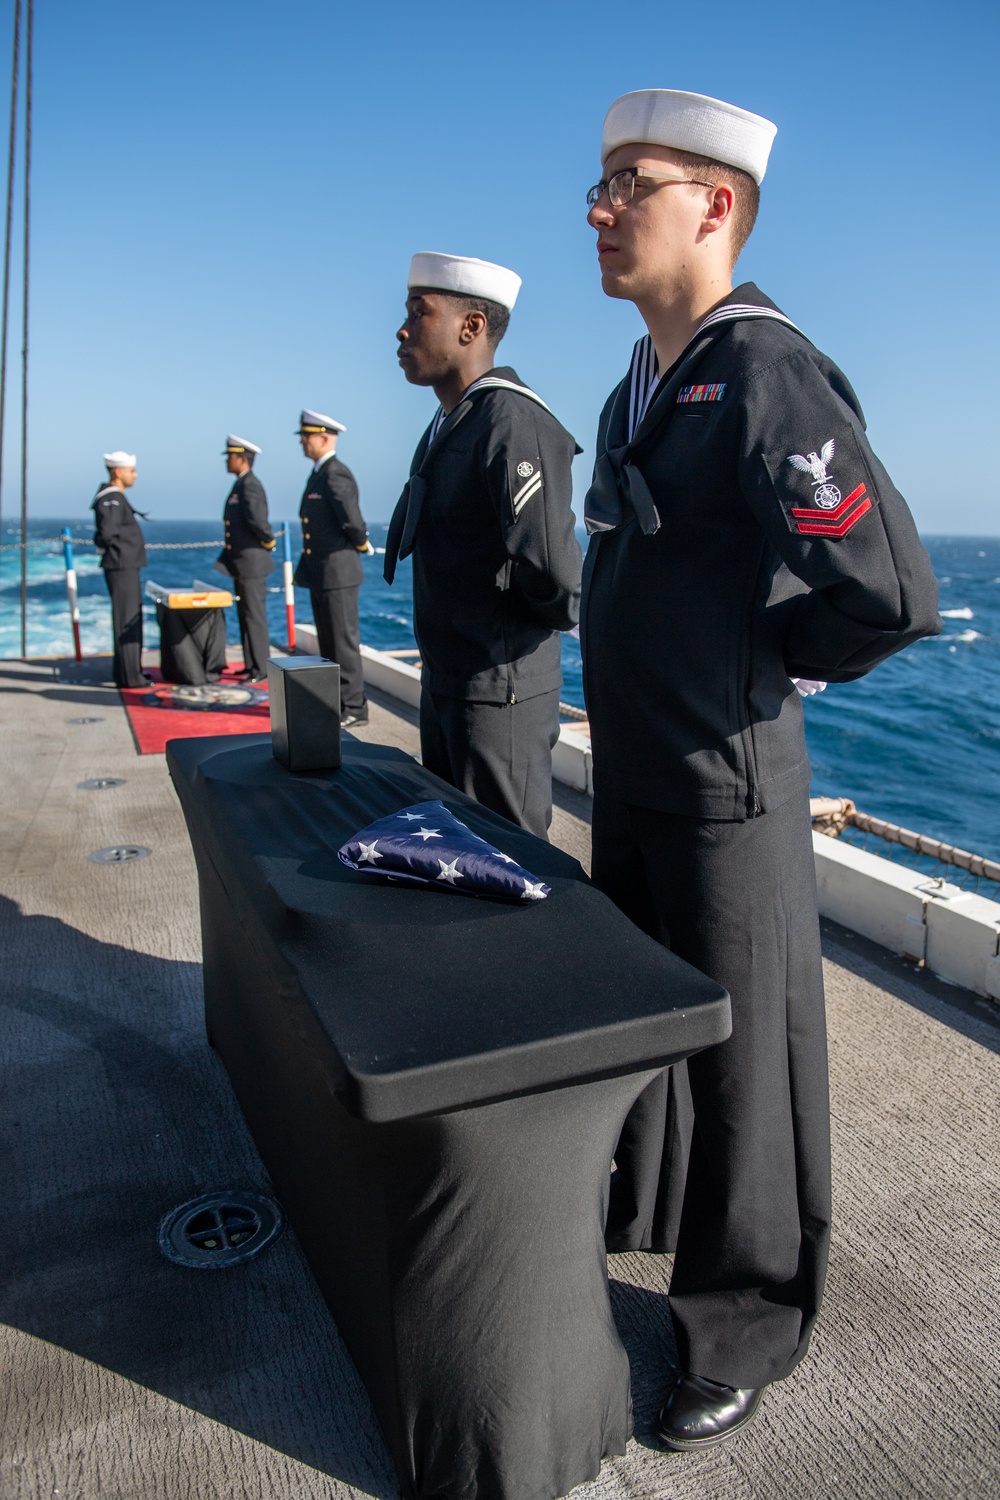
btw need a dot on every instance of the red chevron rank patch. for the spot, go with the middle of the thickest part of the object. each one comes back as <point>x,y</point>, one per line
<point>835,523</point>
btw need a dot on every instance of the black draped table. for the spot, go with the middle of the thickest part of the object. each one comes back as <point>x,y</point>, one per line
<point>436,1085</point>
<point>192,644</point>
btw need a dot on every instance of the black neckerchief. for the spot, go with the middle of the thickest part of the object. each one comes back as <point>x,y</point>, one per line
<point>618,484</point>
<point>406,517</point>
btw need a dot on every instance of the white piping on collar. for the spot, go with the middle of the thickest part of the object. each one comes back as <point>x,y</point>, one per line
<point>485,382</point>
<point>645,373</point>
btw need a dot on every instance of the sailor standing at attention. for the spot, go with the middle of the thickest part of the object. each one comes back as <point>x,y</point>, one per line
<point>334,539</point>
<point>246,554</point>
<point>496,565</point>
<point>118,537</point>
<point>743,536</point>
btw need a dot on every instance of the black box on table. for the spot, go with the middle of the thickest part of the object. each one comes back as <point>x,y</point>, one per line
<point>305,712</point>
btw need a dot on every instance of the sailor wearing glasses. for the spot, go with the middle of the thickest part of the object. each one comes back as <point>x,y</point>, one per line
<point>334,540</point>
<point>743,535</point>
<point>119,539</point>
<point>496,565</point>
<point>247,554</point>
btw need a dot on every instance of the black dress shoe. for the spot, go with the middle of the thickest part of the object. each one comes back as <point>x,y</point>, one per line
<point>699,1412</point>
<point>250,679</point>
<point>353,716</point>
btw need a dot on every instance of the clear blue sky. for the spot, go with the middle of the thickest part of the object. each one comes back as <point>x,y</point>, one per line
<point>226,197</point>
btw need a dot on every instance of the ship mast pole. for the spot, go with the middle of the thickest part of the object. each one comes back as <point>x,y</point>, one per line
<point>4,317</point>
<point>24,346</point>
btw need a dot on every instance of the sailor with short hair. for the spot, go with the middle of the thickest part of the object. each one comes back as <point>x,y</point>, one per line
<point>334,539</point>
<point>743,535</point>
<point>118,537</point>
<point>246,554</point>
<point>496,565</point>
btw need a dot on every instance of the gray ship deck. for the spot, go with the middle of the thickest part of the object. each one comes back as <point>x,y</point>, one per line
<point>130,1377</point>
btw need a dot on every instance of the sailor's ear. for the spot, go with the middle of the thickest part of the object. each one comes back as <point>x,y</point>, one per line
<point>719,212</point>
<point>473,326</point>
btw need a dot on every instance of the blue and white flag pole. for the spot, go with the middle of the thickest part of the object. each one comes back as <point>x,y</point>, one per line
<point>286,568</point>
<point>71,591</point>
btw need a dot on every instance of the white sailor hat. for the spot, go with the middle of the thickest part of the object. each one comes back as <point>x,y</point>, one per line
<point>464,275</point>
<point>690,122</point>
<point>236,444</point>
<point>120,459</point>
<point>314,421</point>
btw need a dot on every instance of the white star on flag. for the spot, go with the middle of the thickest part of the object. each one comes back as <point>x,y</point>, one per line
<point>410,817</point>
<point>368,854</point>
<point>450,873</point>
<point>505,857</point>
<point>533,892</point>
<point>427,833</point>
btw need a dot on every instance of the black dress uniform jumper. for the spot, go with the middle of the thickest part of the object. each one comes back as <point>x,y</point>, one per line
<point>744,534</point>
<point>118,537</point>
<point>246,557</point>
<point>333,537</point>
<point>496,576</point>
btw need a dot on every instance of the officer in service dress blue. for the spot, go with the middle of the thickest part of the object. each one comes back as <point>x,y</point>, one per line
<point>334,540</point>
<point>247,554</point>
<point>496,564</point>
<point>118,537</point>
<point>743,536</point>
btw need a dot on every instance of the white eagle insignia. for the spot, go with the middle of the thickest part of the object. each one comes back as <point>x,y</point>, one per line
<point>827,495</point>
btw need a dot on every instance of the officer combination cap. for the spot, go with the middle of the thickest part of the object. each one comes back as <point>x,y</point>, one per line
<point>236,444</point>
<point>464,275</point>
<point>315,421</point>
<point>120,459</point>
<point>690,122</point>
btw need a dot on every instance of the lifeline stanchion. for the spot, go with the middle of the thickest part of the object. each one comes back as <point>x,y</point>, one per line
<point>71,594</point>
<point>286,568</point>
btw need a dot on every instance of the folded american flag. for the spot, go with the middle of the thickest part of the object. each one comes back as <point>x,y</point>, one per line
<point>427,845</point>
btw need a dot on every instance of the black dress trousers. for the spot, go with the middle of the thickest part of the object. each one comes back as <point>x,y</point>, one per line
<point>251,610</point>
<point>126,625</point>
<point>335,612</point>
<point>499,753</point>
<point>752,1220</point>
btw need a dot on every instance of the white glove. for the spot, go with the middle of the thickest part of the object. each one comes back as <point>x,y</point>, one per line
<point>807,687</point>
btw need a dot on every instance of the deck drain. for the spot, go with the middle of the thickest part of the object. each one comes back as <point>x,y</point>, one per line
<point>220,1229</point>
<point>100,783</point>
<point>86,720</point>
<point>119,855</point>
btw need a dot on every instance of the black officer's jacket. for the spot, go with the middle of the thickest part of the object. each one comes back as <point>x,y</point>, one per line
<point>246,526</point>
<point>496,563</point>
<point>117,534</point>
<point>333,529</point>
<point>783,550</point>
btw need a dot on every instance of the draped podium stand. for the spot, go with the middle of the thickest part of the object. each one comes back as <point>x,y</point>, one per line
<point>436,1084</point>
<point>192,626</point>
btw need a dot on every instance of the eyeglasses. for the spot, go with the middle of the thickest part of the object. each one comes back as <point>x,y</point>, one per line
<point>621,186</point>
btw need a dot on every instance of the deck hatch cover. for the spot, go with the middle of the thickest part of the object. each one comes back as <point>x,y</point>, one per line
<point>119,854</point>
<point>219,1230</point>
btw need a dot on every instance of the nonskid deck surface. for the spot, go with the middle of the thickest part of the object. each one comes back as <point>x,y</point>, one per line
<point>130,1377</point>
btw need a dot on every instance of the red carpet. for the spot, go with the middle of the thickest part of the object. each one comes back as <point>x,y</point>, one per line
<point>165,711</point>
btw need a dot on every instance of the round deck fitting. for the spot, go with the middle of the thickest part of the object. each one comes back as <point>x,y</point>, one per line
<point>86,719</point>
<point>100,783</point>
<point>220,1229</point>
<point>119,855</point>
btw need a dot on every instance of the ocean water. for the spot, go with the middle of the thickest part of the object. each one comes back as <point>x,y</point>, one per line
<point>917,741</point>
